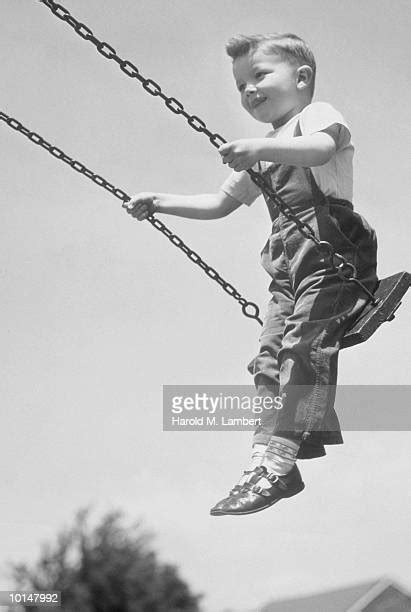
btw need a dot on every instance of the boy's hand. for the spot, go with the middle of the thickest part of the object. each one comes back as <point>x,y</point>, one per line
<point>241,154</point>
<point>142,205</point>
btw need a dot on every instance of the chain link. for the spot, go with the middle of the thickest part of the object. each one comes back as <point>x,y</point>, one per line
<point>249,309</point>
<point>345,270</point>
<point>149,85</point>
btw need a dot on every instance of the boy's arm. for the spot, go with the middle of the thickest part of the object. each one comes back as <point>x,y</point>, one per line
<point>306,151</point>
<point>201,206</point>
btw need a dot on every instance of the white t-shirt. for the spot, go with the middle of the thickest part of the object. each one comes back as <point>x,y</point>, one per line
<point>335,178</point>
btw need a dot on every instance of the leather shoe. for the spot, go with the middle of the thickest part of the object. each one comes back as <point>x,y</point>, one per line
<point>254,498</point>
<point>216,510</point>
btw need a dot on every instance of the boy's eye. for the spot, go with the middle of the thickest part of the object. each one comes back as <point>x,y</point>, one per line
<point>260,74</point>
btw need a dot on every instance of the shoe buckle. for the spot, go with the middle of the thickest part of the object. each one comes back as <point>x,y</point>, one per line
<point>261,491</point>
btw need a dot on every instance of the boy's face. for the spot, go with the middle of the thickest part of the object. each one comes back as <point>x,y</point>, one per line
<point>268,86</point>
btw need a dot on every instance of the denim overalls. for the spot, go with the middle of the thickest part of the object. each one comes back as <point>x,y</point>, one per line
<point>309,311</point>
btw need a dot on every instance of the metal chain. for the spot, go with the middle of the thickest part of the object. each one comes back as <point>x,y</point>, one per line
<point>249,309</point>
<point>338,263</point>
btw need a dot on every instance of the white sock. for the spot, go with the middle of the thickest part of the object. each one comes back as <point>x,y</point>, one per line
<point>256,459</point>
<point>280,456</point>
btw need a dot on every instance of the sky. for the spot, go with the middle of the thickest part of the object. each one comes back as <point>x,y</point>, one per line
<point>100,311</point>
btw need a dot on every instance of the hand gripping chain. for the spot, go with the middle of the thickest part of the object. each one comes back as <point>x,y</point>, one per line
<point>250,309</point>
<point>344,269</point>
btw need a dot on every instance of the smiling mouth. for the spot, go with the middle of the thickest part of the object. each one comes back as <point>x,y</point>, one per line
<point>257,102</point>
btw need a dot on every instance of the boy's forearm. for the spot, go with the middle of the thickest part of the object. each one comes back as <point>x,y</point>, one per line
<point>306,151</point>
<point>201,206</point>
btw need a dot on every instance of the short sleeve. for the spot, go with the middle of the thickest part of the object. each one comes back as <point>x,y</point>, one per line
<point>239,186</point>
<point>319,116</point>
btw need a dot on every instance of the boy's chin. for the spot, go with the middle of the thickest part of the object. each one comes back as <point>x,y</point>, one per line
<point>262,119</point>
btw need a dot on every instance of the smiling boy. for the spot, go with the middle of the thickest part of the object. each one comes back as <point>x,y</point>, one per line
<point>307,159</point>
<point>274,90</point>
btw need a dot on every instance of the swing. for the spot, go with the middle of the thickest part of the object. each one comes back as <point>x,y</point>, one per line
<point>382,304</point>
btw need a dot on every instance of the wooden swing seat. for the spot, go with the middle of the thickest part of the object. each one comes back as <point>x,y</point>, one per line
<point>389,293</point>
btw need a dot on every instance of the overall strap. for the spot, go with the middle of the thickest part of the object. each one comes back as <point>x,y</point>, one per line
<point>272,208</point>
<point>318,196</point>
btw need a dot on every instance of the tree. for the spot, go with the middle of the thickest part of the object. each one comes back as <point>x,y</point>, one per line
<point>108,568</point>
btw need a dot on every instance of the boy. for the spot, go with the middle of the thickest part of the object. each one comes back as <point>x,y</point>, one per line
<point>307,159</point>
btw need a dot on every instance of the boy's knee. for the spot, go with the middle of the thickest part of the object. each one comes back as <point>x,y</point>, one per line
<point>264,368</point>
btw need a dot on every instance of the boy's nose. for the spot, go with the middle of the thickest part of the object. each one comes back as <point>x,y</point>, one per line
<point>250,89</point>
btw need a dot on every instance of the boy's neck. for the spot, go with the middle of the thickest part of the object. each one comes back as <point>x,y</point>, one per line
<point>292,113</point>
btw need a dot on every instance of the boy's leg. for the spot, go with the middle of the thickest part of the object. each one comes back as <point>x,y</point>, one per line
<point>310,353</point>
<point>325,306</point>
<point>281,451</point>
<point>309,360</point>
<point>265,367</point>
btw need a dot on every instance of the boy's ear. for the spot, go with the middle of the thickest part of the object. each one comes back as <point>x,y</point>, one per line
<point>304,76</point>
